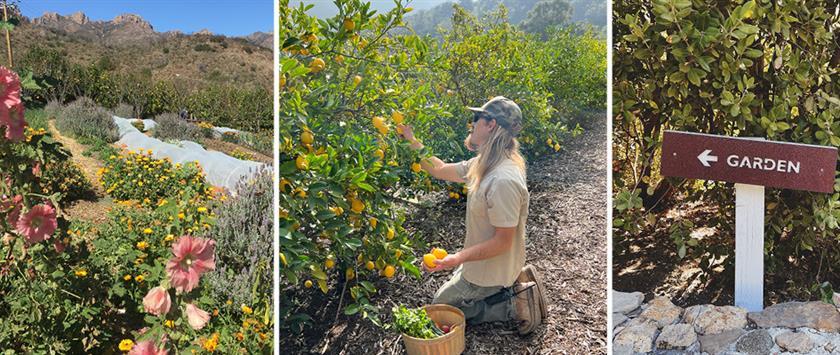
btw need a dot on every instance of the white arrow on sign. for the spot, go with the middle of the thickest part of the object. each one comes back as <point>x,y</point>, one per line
<point>705,158</point>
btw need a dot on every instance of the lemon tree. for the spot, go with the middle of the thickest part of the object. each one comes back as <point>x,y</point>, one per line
<point>346,85</point>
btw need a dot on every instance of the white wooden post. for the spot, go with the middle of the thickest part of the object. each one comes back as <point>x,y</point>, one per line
<point>749,247</point>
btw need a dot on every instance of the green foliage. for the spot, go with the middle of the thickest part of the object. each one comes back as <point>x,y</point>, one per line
<point>415,322</point>
<point>65,177</point>
<point>546,14</point>
<point>171,127</point>
<point>242,107</point>
<point>748,69</point>
<point>83,118</point>
<point>203,47</point>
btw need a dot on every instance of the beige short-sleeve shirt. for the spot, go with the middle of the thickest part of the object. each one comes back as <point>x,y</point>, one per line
<point>501,201</point>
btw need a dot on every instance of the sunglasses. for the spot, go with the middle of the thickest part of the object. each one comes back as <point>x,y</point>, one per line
<point>480,115</point>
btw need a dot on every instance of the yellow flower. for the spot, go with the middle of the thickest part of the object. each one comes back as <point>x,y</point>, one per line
<point>240,336</point>
<point>81,273</point>
<point>211,344</point>
<point>246,309</point>
<point>139,278</point>
<point>127,277</point>
<point>169,237</point>
<point>142,245</point>
<point>126,345</point>
<point>147,231</point>
<point>181,215</point>
<point>228,302</point>
<point>169,323</point>
<point>202,209</point>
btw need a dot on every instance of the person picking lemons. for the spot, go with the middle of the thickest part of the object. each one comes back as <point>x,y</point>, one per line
<point>491,281</point>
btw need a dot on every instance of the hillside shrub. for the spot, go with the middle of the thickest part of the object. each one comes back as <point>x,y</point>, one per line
<point>83,118</point>
<point>171,127</point>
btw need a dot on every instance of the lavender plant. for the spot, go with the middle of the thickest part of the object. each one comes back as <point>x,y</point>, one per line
<point>83,118</point>
<point>243,234</point>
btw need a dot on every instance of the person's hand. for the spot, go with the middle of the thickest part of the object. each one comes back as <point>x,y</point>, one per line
<point>449,262</point>
<point>408,135</point>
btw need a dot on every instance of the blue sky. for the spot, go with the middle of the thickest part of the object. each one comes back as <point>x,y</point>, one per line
<point>231,18</point>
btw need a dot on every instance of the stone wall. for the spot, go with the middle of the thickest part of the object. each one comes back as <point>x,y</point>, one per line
<point>660,327</point>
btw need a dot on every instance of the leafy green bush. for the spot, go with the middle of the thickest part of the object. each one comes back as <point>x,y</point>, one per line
<point>171,127</point>
<point>65,177</point>
<point>744,69</point>
<point>83,118</point>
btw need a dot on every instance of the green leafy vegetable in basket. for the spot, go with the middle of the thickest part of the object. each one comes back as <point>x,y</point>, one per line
<point>415,322</point>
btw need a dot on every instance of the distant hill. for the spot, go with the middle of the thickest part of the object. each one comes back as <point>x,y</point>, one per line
<point>128,43</point>
<point>426,22</point>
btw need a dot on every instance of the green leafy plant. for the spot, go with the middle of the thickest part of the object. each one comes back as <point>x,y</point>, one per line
<point>415,322</point>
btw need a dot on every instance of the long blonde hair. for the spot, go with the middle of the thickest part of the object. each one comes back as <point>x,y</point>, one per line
<point>501,144</point>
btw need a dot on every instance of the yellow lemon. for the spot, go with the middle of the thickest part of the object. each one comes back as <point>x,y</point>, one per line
<point>548,141</point>
<point>301,162</point>
<point>429,260</point>
<point>349,25</point>
<point>415,167</point>
<point>339,59</point>
<point>317,65</point>
<point>306,137</point>
<point>389,271</point>
<point>357,206</point>
<point>369,265</point>
<point>349,273</point>
<point>357,80</point>
<point>398,253</point>
<point>308,284</point>
<point>390,234</point>
<point>372,222</point>
<point>556,147</point>
<point>397,116</point>
<point>329,263</point>
<point>439,253</point>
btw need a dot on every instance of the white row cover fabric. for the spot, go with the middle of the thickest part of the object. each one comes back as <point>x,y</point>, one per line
<point>221,169</point>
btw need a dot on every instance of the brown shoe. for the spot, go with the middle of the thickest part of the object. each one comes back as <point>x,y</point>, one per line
<point>526,307</point>
<point>529,274</point>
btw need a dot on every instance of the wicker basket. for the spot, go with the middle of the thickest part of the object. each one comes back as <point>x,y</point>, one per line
<point>450,343</point>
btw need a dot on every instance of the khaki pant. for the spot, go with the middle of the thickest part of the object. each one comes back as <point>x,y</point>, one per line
<point>473,300</point>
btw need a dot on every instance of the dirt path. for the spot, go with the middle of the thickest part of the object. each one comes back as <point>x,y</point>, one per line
<point>93,209</point>
<point>566,241</point>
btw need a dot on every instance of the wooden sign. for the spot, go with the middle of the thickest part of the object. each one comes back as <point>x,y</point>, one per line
<point>749,161</point>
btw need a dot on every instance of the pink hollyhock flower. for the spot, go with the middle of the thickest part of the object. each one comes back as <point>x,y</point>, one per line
<point>12,118</point>
<point>9,85</point>
<point>147,347</point>
<point>36,170</point>
<point>196,317</point>
<point>12,208</point>
<point>37,224</point>
<point>157,301</point>
<point>193,257</point>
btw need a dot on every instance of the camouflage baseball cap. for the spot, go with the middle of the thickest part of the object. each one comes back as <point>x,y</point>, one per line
<point>506,113</point>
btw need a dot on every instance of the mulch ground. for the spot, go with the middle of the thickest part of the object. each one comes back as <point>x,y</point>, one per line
<point>649,263</point>
<point>566,241</point>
